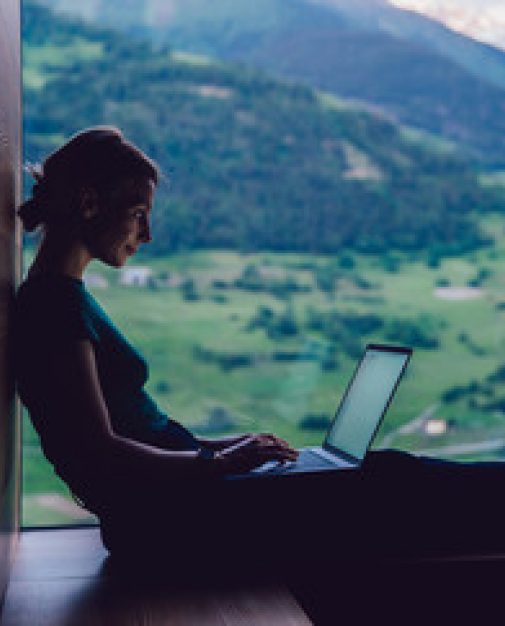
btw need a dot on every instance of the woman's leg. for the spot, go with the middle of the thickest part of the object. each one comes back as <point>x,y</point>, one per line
<point>395,505</point>
<point>436,507</point>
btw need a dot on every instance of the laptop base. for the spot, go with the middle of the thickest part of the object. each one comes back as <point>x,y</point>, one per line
<point>309,460</point>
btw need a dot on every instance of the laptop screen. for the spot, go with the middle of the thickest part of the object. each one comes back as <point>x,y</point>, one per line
<point>366,399</point>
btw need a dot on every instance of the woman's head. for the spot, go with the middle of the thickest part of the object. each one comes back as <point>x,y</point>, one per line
<point>97,164</point>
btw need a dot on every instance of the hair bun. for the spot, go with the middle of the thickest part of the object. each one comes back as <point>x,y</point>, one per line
<point>31,214</point>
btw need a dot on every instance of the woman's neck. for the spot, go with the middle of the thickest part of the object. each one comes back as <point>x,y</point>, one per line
<point>59,255</point>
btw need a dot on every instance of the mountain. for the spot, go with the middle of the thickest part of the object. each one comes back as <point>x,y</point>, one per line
<point>255,163</point>
<point>200,24</point>
<point>412,68</point>
<point>484,21</point>
<point>483,60</point>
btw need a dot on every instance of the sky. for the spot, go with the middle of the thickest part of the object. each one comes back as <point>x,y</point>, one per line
<point>480,19</point>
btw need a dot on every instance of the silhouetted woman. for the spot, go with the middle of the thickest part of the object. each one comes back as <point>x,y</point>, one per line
<point>155,487</point>
<point>81,380</point>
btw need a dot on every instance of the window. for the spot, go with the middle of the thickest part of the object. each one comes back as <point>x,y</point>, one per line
<point>340,187</point>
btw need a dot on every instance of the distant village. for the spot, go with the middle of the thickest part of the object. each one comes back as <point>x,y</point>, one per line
<point>133,276</point>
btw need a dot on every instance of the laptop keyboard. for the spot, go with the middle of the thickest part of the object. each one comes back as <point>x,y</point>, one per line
<point>306,461</point>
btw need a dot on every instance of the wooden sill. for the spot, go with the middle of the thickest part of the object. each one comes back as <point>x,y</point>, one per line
<point>62,577</point>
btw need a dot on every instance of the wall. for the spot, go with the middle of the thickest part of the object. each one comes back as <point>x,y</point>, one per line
<point>10,251</point>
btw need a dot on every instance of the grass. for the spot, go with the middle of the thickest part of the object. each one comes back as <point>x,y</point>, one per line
<point>275,396</point>
<point>494,179</point>
<point>191,59</point>
<point>40,62</point>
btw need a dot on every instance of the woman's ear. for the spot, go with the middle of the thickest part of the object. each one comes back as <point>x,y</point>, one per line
<point>88,202</point>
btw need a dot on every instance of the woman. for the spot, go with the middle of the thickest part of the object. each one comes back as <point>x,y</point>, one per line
<point>80,379</point>
<point>154,486</point>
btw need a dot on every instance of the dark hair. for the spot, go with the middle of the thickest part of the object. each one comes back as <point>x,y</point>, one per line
<point>96,158</point>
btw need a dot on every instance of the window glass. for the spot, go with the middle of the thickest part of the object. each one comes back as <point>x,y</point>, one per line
<point>327,182</point>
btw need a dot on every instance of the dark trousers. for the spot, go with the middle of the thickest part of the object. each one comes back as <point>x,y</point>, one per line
<point>396,505</point>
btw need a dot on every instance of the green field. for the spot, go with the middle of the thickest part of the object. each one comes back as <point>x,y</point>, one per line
<point>219,363</point>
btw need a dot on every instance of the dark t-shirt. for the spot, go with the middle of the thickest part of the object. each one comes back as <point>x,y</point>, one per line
<point>52,311</point>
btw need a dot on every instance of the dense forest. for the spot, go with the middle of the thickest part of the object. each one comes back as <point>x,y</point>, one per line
<point>254,163</point>
<point>411,67</point>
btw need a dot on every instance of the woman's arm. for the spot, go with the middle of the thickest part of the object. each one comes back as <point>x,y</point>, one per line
<point>75,394</point>
<point>218,443</point>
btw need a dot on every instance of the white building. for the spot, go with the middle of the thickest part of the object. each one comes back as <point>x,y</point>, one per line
<point>137,276</point>
<point>95,281</point>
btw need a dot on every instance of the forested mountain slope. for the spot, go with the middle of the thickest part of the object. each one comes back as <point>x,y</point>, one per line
<point>413,68</point>
<point>255,163</point>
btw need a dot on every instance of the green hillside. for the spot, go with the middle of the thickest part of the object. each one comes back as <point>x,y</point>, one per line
<point>214,26</point>
<point>379,16</point>
<point>413,68</point>
<point>241,147</point>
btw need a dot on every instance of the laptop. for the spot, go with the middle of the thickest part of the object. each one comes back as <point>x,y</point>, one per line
<point>358,416</point>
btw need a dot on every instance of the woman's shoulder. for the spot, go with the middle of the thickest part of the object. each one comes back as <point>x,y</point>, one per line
<point>46,301</point>
<point>55,285</point>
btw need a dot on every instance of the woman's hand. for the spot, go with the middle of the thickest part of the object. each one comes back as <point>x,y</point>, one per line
<point>252,451</point>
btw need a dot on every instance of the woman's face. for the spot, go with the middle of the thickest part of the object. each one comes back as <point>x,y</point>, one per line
<point>122,222</point>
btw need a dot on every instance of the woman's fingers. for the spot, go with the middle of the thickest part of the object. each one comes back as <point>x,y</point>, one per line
<point>256,449</point>
<point>268,439</point>
<point>275,443</point>
<point>276,449</point>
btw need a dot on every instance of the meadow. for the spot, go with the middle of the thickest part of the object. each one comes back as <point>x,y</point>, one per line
<point>268,341</point>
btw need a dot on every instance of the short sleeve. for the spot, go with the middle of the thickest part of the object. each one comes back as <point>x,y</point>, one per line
<point>48,315</point>
<point>70,318</point>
